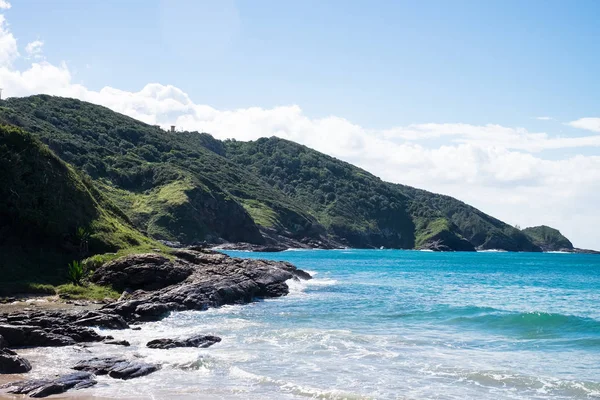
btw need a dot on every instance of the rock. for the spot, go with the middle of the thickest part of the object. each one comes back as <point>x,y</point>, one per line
<point>201,341</point>
<point>47,387</point>
<point>3,343</point>
<point>275,248</point>
<point>117,368</point>
<point>214,280</point>
<point>11,363</point>
<point>26,335</point>
<point>142,271</point>
<point>136,328</point>
<point>47,328</point>
<point>102,320</point>
<point>117,342</point>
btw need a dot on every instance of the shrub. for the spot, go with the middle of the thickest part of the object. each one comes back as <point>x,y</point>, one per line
<point>75,272</point>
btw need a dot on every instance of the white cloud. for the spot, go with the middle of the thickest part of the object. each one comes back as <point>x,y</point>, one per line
<point>5,5</point>
<point>34,49</point>
<point>590,124</point>
<point>544,118</point>
<point>8,44</point>
<point>498,169</point>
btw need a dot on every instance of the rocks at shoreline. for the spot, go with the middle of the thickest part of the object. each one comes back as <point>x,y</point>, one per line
<point>116,342</point>
<point>12,363</point>
<point>275,248</point>
<point>195,279</point>
<point>40,329</point>
<point>215,280</point>
<point>116,367</point>
<point>47,387</point>
<point>201,341</point>
<point>142,271</point>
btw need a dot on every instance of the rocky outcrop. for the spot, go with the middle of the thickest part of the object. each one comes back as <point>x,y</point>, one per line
<point>194,279</point>
<point>47,387</point>
<point>142,271</point>
<point>117,368</point>
<point>214,280</point>
<point>39,329</point>
<point>201,341</point>
<point>12,363</point>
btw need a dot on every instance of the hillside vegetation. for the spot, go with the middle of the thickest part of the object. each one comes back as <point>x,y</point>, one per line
<point>190,187</point>
<point>549,239</point>
<point>44,202</point>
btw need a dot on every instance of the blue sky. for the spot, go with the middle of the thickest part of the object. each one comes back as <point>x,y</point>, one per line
<point>378,63</point>
<point>492,102</point>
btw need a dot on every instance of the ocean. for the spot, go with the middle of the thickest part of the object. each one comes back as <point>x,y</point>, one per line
<point>382,324</point>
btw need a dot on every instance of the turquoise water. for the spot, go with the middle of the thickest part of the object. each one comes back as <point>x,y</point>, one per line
<point>386,324</point>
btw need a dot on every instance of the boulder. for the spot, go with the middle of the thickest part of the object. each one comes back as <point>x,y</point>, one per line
<point>142,271</point>
<point>117,342</point>
<point>102,320</point>
<point>116,367</point>
<point>202,341</point>
<point>47,387</point>
<point>11,363</point>
<point>26,335</point>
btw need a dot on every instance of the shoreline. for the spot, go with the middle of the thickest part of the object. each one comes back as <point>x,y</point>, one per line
<point>154,286</point>
<point>254,248</point>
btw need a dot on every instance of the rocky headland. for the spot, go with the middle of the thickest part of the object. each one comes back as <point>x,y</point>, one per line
<point>153,285</point>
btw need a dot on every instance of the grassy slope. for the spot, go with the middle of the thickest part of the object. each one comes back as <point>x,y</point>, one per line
<point>43,201</point>
<point>135,159</point>
<point>549,239</point>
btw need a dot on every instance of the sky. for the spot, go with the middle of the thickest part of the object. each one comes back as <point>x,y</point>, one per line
<point>493,102</point>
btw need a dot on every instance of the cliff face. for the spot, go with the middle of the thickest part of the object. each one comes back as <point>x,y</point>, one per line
<point>190,187</point>
<point>548,239</point>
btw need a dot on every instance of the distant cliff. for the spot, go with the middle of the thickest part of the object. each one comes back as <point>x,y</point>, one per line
<point>548,239</point>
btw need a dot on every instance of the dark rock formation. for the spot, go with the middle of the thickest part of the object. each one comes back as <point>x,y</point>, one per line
<point>274,248</point>
<point>201,341</point>
<point>11,363</point>
<point>117,368</point>
<point>213,279</point>
<point>117,342</point>
<point>142,271</point>
<point>46,328</point>
<point>102,320</point>
<point>47,387</point>
<point>27,335</point>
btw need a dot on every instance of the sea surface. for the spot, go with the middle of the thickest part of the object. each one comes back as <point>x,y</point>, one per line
<point>383,324</point>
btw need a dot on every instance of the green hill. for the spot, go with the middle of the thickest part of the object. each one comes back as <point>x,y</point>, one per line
<point>549,239</point>
<point>190,187</point>
<point>172,186</point>
<point>43,204</point>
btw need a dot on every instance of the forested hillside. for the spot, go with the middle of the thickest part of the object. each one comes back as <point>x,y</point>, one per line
<point>190,187</point>
<point>48,210</point>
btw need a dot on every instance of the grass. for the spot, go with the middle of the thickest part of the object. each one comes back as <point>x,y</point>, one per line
<point>86,292</point>
<point>426,229</point>
<point>94,262</point>
<point>13,288</point>
<point>261,213</point>
<point>67,291</point>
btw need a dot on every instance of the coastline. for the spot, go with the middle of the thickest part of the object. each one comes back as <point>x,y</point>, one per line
<point>154,286</point>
